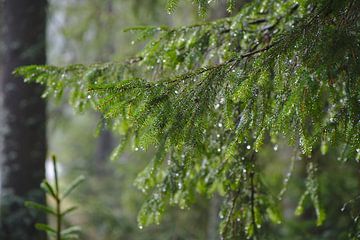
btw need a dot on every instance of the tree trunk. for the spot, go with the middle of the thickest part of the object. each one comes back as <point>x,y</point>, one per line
<point>104,146</point>
<point>106,141</point>
<point>23,119</point>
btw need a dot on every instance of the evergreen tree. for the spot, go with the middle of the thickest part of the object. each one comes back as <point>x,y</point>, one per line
<point>210,95</point>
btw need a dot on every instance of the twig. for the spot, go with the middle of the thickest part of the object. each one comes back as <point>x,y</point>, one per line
<point>57,199</point>
<point>252,196</point>
<point>245,55</point>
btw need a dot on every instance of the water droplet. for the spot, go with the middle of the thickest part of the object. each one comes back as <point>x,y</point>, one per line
<point>217,135</point>
<point>220,125</point>
<point>136,149</point>
<point>248,147</point>
<point>276,147</point>
<point>176,92</point>
<point>132,42</point>
<point>219,149</point>
<point>89,97</point>
<point>140,227</point>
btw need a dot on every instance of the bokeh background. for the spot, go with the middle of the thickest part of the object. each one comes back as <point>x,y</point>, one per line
<point>90,31</point>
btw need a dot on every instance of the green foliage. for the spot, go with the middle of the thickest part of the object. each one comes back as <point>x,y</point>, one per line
<point>54,192</point>
<point>208,96</point>
<point>171,5</point>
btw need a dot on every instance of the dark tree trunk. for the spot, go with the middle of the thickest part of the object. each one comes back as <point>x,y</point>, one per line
<point>23,119</point>
<point>104,146</point>
<point>106,141</point>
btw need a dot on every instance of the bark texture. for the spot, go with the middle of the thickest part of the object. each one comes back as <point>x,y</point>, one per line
<point>23,118</point>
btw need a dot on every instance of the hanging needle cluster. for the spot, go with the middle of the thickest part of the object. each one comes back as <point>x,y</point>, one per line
<point>208,97</point>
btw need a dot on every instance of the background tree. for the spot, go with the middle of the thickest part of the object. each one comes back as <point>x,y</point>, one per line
<point>23,116</point>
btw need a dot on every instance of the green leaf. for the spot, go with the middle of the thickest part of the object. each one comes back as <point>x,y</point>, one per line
<point>274,214</point>
<point>300,207</point>
<point>45,227</point>
<point>70,231</point>
<point>41,207</point>
<point>72,186</point>
<point>230,6</point>
<point>48,189</point>
<point>69,210</point>
<point>171,5</point>
<point>320,216</point>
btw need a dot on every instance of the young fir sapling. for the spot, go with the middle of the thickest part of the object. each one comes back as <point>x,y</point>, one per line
<point>54,193</point>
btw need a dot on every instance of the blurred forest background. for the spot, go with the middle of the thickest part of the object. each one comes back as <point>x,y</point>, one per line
<point>89,31</point>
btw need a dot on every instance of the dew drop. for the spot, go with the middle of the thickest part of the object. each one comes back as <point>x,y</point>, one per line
<point>248,147</point>
<point>276,147</point>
